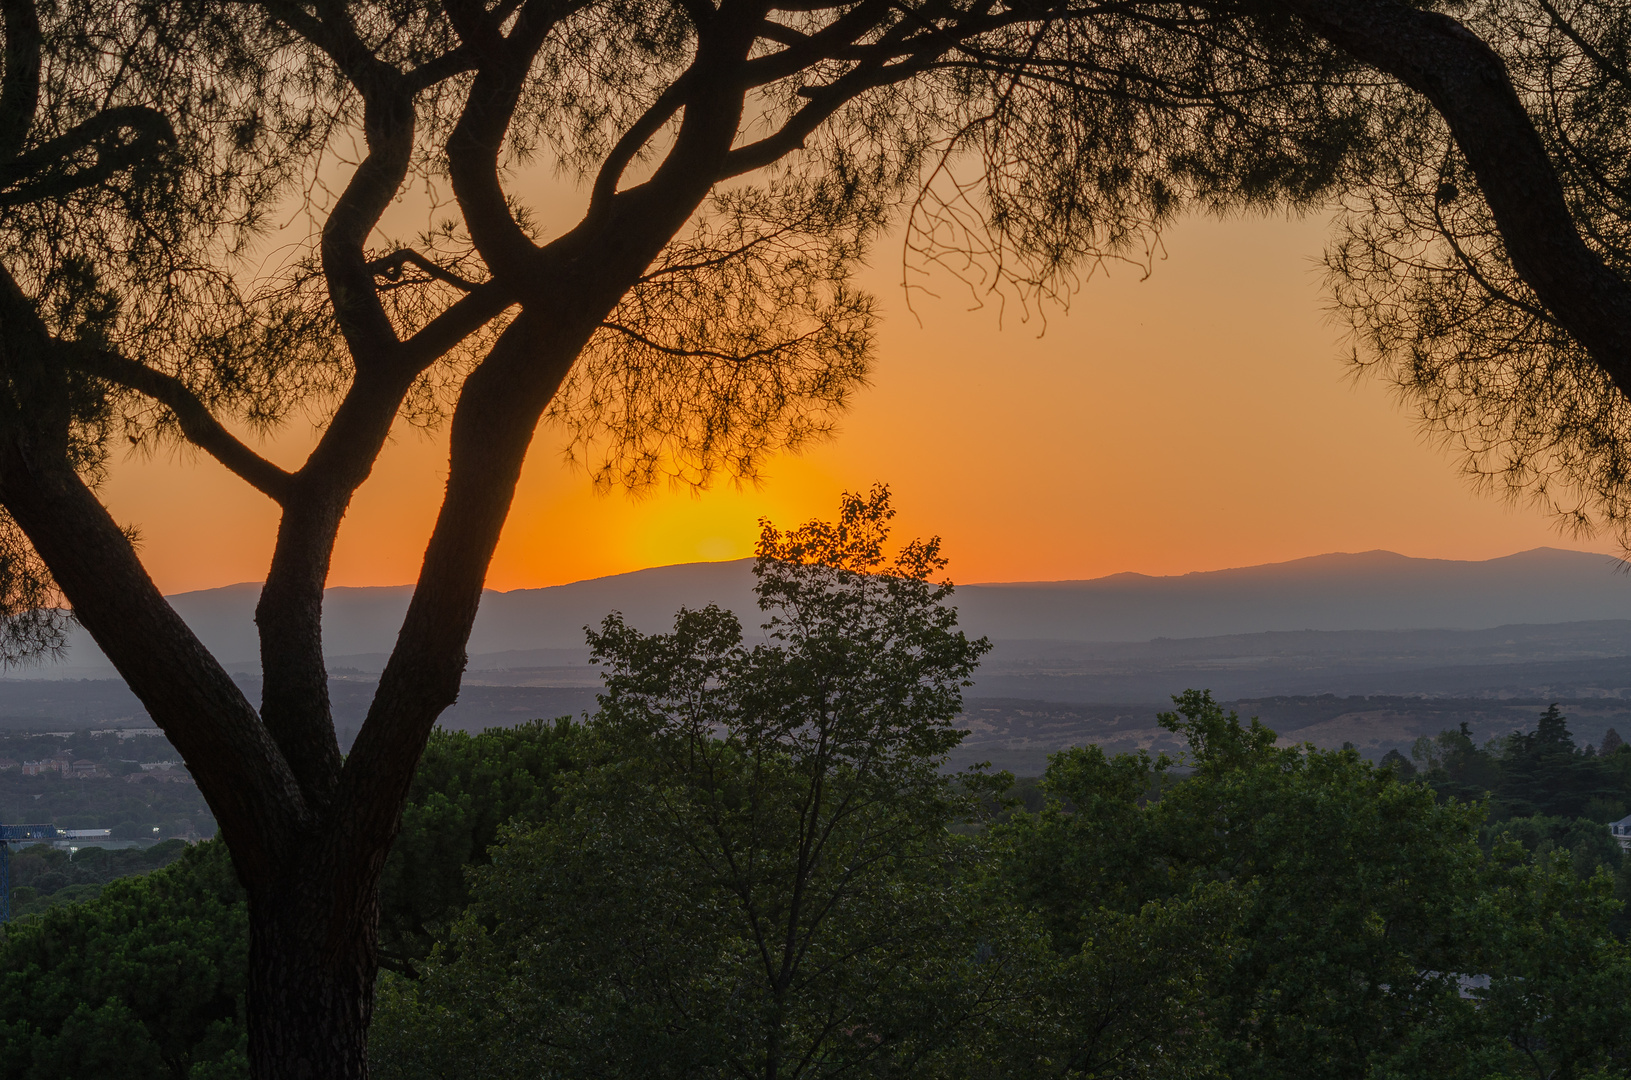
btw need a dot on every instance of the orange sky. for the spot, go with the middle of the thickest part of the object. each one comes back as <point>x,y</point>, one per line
<point>1195,420</point>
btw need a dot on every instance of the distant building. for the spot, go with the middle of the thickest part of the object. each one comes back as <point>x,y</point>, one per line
<point>1621,831</point>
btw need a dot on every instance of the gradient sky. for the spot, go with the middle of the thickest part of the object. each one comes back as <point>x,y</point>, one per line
<point>1199,419</point>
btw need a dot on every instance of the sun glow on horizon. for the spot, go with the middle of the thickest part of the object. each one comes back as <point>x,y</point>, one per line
<point>1196,420</point>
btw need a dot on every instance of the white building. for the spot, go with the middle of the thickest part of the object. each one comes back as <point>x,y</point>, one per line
<point>1621,831</point>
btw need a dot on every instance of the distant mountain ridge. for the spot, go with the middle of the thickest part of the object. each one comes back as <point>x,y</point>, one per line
<point>1375,590</point>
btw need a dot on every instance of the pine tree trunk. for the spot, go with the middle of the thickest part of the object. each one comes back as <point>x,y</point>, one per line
<point>311,982</point>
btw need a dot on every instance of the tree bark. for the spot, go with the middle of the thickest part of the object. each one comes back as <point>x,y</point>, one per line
<point>311,988</point>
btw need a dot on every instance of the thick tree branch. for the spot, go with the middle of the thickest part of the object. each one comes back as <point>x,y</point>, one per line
<point>473,150</point>
<point>198,424</point>
<point>295,705</point>
<point>637,222</point>
<point>239,769</point>
<point>588,269</point>
<point>1468,84</point>
<point>294,689</point>
<point>828,43</point>
<point>824,102</point>
<point>492,428</point>
<point>295,702</point>
<point>332,31</point>
<point>20,82</point>
<point>47,171</point>
<point>431,72</point>
<point>202,711</point>
<point>188,694</point>
<point>468,314</point>
<point>388,126</point>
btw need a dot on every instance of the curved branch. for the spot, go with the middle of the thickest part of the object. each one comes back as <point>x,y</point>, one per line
<point>477,137</point>
<point>44,172</point>
<point>472,152</point>
<point>198,424</point>
<point>336,35</point>
<point>831,41</point>
<point>612,169</point>
<point>443,67</point>
<point>388,126</point>
<point>390,268</point>
<point>824,102</point>
<point>492,427</point>
<point>1468,84</point>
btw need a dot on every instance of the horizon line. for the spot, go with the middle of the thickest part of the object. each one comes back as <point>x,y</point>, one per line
<point>989,583</point>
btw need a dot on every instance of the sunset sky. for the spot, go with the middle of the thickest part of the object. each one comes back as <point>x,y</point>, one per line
<point>1196,420</point>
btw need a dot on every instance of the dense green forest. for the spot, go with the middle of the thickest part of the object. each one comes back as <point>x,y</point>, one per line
<point>552,908</point>
<point>43,876</point>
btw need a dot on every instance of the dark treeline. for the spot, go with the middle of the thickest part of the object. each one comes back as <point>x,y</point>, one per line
<point>42,876</point>
<point>1538,786</point>
<point>1276,912</point>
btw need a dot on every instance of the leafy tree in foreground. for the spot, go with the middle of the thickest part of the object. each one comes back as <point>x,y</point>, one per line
<point>465,790</point>
<point>1255,918</point>
<point>761,882</point>
<point>1549,992</point>
<point>1343,904</point>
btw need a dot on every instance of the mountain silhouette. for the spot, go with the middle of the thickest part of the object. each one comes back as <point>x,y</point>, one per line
<point>1373,590</point>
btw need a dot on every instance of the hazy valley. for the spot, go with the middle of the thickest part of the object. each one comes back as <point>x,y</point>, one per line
<point>1374,649</point>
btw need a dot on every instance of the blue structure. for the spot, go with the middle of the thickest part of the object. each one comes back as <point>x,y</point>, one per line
<point>17,834</point>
